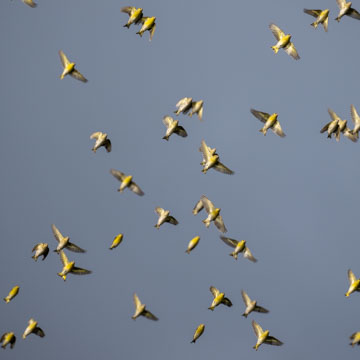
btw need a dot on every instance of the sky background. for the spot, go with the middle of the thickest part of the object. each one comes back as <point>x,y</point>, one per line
<point>294,199</point>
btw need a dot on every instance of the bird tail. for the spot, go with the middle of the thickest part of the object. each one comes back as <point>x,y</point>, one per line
<point>126,25</point>
<point>206,222</point>
<point>6,300</point>
<point>337,19</point>
<point>140,33</point>
<point>235,256</point>
<point>263,131</point>
<point>245,315</point>
<point>3,346</point>
<point>34,257</point>
<point>187,251</point>
<point>166,138</point>
<point>314,24</point>
<point>195,341</point>
<point>275,48</point>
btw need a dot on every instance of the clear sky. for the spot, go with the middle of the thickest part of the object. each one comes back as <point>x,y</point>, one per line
<point>293,199</point>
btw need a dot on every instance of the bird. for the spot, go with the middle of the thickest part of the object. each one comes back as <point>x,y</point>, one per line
<point>283,42</point>
<point>101,140</point>
<point>212,160</point>
<point>198,332</point>
<point>164,217</point>
<point>342,128</point>
<point>30,3</point>
<point>148,25</point>
<point>116,242</point>
<point>8,338</point>
<point>173,127</point>
<point>64,242</point>
<point>140,309</point>
<point>213,215</point>
<point>33,328</point>
<point>346,9</point>
<point>192,244</point>
<point>356,120</point>
<point>355,338</point>
<point>197,108</point>
<point>13,292</point>
<point>126,181</point>
<point>40,249</point>
<point>135,15</point>
<point>332,126</point>
<point>69,68</point>
<point>69,267</point>
<point>183,105</point>
<point>251,305</point>
<point>270,122</point>
<point>239,246</point>
<point>322,17</point>
<point>354,283</point>
<point>263,337</point>
<point>198,207</point>
<point>219,298</point>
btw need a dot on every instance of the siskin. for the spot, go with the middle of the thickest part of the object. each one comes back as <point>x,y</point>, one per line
<point>164,217</point>
<point>197,108</point>
<point>148,25</point>
<point>239,246</point>
<point>8,338</point>
<point>135,15</point>
<point>13,292</point>
<point>263,336</point>
<point>40,249</point>
<point>192,244</point>
<point>140,309</point>
<point>219,298</point>
<point>355,338</point>
<point>270,122</point>
<point>346,9</point>
<point>283,42</point>
<point>101,140</point>
<point>116,242</point>
<point>183,105</point>
<point>322,17</point>
<point>354,283</point>
<point>173,127</point>
<point>251,305</point>
<point>198,332</point>
<point>69,267</point>
<point>32,328</point>
<point>213,215</point>
<point>126,181</point>
<point>69,68</point>
<point>64,242</point>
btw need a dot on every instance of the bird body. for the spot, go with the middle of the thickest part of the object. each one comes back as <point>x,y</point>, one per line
<point>354,283</point>
<point>192,244</point>
<point>30,3</point>
<point>40,249</point>
<point>13,292</point>
<point>116,242</point>
<point>322,17</point>
<point>183,105</point>
<point>148,25</point>
<point>355,339</point>
<point>198,332</point>
<point>8,338</point>
<point>32,328</point>
<point>135,15</point>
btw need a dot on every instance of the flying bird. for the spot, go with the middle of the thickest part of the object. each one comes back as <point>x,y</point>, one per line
<point>70,268</point>
<point>64,242</point>
<point>356,120</point>
<point>322,17</point>
<point>212,160</point>
<point>332,126</point>
<point>270,122</point>
<point>173,127</point>
<point>283,42</point>
<point>197,108</point>
<point>40,249</point>
<point>116,242</point>
<point>140,309</point>
<point>30,3</point>
<point>213,215</point>
<point>101,140</point>
<point>354,283</point>
<point>192,244</point>
<point>164,216</point>
<point>251,305</point>
<point>69,68</point>
<point>8,338</point>
<point>32,328</point>
<point>126,181</point>
<point>263,337</point>
<point>355,338</point>
<point>148,25</point>
<point>135,15</point>
<point>219,298</point>
<point>13,292</point>
<point>183,105</point>
<point>239,247</point>
<point>346,9</point>
<point>198,332</point>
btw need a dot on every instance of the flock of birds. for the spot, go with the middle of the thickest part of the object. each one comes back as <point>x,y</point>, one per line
<point>211,160</point>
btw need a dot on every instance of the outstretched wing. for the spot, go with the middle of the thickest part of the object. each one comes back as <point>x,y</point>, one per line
<point>180,131</point>
<point>149,315</point>
<point>57,233</point>
<point>205,150</point>
<point>107,145</point>
<point>222,168</point>
<point>64,60</point>
<point>63,258</point>
<point>245,297</point>
<point>257,328</point>
<point>277,32</point>
<point>72,247</point>
<point>79,271</point>
<point>314,13</point>
<point>78,76</point>
<point>226,301</point>
<point>291,50</point>
<point>159,210</point>
<point>152,31</point>
<point>39,332</point>
<point>137,301</point>
<point>135,188</point>
<point>198,207</point>
<point>95,135</point>
<point>351,276</point>
<point>168,120</point>
<point>127,9</point>
<point>354,14</point>
<point>229,241</point>
<point>208,205</point>
<point>248,255</point>
<point>273,341</point>
<point>333,115</point>
<point>219,223</point>
<point>260,309</point>
<point>325,127</point>
<point>215,292</point>
<point>278,130</point>
<point>262,116</point>
<point>172,220</point>
<point>118,174</point>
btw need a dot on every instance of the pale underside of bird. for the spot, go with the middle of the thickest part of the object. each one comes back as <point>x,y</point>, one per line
<point>322,17</point>
<point>239,247</point>
<point>219,298</point>
<point>198,332</point>
<point>173,127</point>
<point>197,107</point>
<point>70,268</point>
<point>211,160</point>
<point>213,215</point>
<point>40,249</point>
<point>126,182</point>
<point>8,338</point>
<point>263,337</point>
<point>354,283</point>
<point>69,68</point>
<point>192,244</point>
<point>64,242</point>
<point>135,15</point>
<point>148,24</point>
<point>101,140</point>
<point>346,9</point>
<point>183,106</point>
<point>32,328</point>
<point>269,121</point>
<point>140,310</point>
<point>356,120</point>
<point>30,3</point>
<point>355,338</point>
<point>12,293</point>
<point>283,42</point>
<point>251,305</point>
<point>164,216</point>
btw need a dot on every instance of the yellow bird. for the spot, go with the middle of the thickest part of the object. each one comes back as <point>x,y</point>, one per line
<point>198,332</point>
<point>13,292</point>
<point>239,246</point>
<point>346,9</point>
<point>69,68</point>
<point>198,207</point>
<point>64,242</point>
<point>164,216</point>
<point>126,181</point>
<point>219,298</point>
<point>148,25</point>
<point>30,3</point>
<point>32,328</point>
<point>212,160</point>
<point>263,337</point>
<point>355,337</point>
<point>8,338</point>
<point>270,122</point>
<point>283,42</point>
<point>251,305</point>
<point>183,105</point>
<point>192,244</point>
<point>101,140</point>
<point>135,15</point>
<point>40,249</point>
<point>197,108</point>
<point>70,268</point>
<point>356,120</point>
<point>354,283</point>
<point>213,215</point>
<point>116,242</point>
<point>140,309</point>
<point>322,17</point>
<point>173,127</point>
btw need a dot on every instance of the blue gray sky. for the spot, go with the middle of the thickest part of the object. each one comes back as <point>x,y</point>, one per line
<point>293,199</point>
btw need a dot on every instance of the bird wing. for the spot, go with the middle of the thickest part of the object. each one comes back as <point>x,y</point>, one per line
<point>314,13</point>
<point>172,220</point>
<point>325,127</point>
<point>143,19</point>
<point>64,60</point>
<point>257,328</point>
<point>277,32</point>
<point>78,76</point>
<point>219,223</point>
<point>326,23</point>
<point>341,3</point>
<point>226,301</point>
<point>180,131</point>
<point>127,9</point>
<point>200,113</point>
<point>248,255</point>
<point>183,101</point>
<point>351,276</point>
<point>208,205</point>
<point>245,297</point>
<point>149,315</point>
<point>74,248</point>
<point>273,341</point>
<point>57,233</point>
<point>118,174</point>
<point>229,241</point>
<point>354,115</point>
<point>350,135</point>
<point>137,301</point>
<point>205,150</point>
<point>262,116</point>
<point>198,207</point>
<point>95,135</point>
<point>39,332</point>
<point>333,115</point>
<point>277,129</point>
<point>167,120</point>
<point>107,145</point>
<point>215,292</point>
<point>290,49</point>
<point>34,248</point>
<point>159,210</point>
<point>3,337</point>
<point>63,258</point>
<point>46,252</point>
<point>354,14</point>
<point>260,309</point>
<point>79,271</point>
<point>152,31</point>
<point>222,168</point>
<point>135,188</point>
